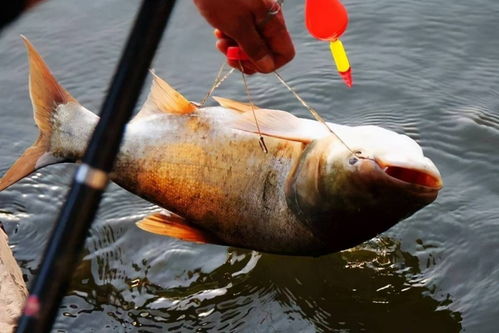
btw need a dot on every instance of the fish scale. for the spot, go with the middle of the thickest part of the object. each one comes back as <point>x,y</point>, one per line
<point>206,180</point>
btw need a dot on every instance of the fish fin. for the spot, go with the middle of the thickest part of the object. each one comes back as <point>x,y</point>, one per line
<point>44,90</point>
<point>32,159</point>
<point>163,98</point>
<point>234,105</point>
<point>279,124</point>
<point>274,123</point>
<point>168,224</point>
<point>46,95</point>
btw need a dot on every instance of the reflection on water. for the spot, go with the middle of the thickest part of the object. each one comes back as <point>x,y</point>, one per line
<point>436,271</point>
<point>374,287</point>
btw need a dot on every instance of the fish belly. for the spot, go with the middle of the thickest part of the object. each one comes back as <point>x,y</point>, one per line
<point>217,178</point>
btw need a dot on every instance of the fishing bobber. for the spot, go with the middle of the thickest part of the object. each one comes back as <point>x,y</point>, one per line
<point>327,20</point>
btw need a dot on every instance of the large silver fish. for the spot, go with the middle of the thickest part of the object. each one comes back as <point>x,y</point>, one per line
<point>309,195</point>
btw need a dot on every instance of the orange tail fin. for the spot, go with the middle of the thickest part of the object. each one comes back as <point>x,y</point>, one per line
<point>46,94</point>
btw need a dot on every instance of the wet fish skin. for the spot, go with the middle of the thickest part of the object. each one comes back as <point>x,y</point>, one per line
<point>310,195</point>
<point>189,165</point>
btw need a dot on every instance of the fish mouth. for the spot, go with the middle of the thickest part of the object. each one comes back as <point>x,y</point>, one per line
<point>426,176</point>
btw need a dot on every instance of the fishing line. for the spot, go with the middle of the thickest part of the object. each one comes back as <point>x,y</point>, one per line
<point>261,141</point>
<point>274,10</point>
<point>314,113</point>
<point>218,81</point>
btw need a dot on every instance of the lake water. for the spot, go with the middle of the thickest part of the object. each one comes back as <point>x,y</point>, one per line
<point>429,69</point>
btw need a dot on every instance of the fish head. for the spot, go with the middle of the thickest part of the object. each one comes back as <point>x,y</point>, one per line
<point>348,190</point>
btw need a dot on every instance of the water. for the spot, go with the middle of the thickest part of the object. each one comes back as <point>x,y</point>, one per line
<point>427,69</point>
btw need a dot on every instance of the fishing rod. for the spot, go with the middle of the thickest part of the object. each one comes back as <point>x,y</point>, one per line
<point>11,10</point>
<point>68,236</point>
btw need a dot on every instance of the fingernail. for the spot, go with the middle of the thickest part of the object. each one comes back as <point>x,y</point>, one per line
<point>218,33</point>
<point>266,64</point>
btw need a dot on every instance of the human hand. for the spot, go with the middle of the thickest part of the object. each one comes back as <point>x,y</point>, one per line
<point>246,23</point>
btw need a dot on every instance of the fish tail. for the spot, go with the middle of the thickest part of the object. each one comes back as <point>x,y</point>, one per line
<point>46,95</point>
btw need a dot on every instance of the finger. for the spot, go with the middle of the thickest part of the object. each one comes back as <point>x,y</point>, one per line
<point>248,67</point>
<point>278,40</point>
<point>223,44</point>
<point>255,47</point>
<point>219,34</point>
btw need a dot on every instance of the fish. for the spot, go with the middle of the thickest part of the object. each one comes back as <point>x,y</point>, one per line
<point>312,193</point>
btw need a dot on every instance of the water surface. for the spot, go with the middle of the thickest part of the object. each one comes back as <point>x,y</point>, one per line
<point>426,69</point>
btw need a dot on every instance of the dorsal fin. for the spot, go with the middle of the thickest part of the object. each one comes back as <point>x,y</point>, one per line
<point>280,124</point>
<point>234,105</point>
<point>163,98</point>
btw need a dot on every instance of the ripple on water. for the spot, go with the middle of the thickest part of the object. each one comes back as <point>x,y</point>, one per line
<point>246,291</point>
<point>29,208</point>
<point>413,75</point>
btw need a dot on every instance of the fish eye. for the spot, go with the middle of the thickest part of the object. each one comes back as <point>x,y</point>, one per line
<point>353,160</point>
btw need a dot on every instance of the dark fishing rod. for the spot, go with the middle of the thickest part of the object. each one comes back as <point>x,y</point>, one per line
<point>63,250</point>
<point>11,10</point>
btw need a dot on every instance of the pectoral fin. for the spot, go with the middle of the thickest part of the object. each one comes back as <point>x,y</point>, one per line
<point>168,224</point>
<point>274,123</point>
<point>280,124</point>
